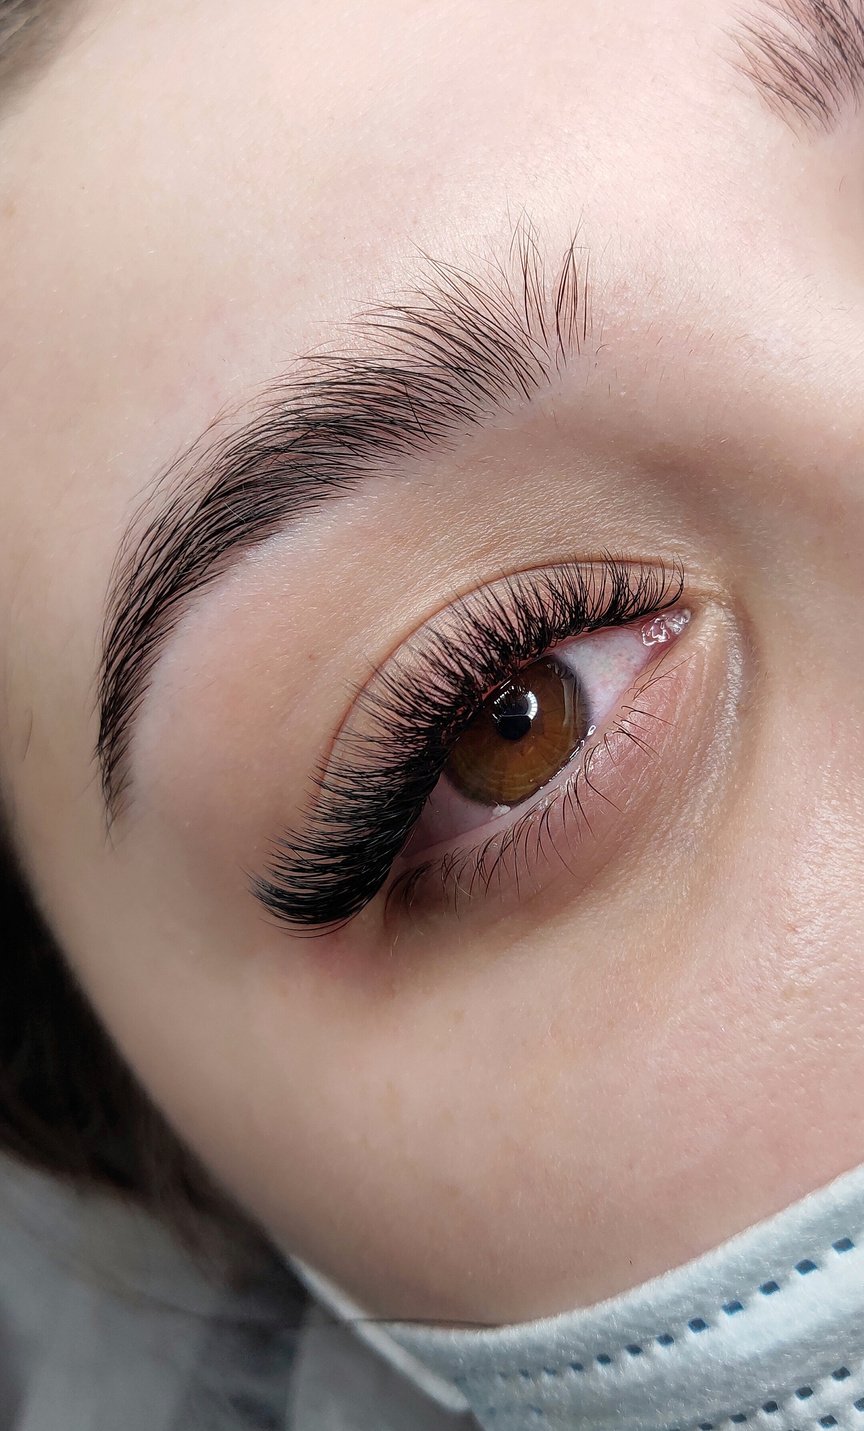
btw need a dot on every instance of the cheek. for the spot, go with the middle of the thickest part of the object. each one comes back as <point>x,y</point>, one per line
<point>422,1079</point>
<point>491,1122</point>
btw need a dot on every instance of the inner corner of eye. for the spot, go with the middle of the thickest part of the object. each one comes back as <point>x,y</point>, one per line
<point>663,628</point>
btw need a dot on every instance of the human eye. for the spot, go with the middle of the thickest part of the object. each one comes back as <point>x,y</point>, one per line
<point>472,751</point>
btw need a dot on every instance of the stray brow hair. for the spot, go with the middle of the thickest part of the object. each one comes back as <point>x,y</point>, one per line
<point>426,371</point>
<point>806,58</point>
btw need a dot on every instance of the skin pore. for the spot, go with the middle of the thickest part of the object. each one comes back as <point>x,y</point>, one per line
<point>501,1110</point>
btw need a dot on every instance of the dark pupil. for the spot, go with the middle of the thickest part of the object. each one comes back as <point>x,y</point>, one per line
<point>514,712</point>
<point>525,731</point>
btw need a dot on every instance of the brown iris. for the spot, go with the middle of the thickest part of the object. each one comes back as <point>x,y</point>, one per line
<point>524,732</point>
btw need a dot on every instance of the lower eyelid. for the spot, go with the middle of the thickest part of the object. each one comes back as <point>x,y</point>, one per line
<point>382,764</point>
<point>569,827</point>
<point>607,664</point>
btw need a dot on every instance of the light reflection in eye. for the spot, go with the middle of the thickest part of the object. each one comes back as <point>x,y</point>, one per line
<point>521,736</point>
<point>371,803</point>
<point>532,727</point>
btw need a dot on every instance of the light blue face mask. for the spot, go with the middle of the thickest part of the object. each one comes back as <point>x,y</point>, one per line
<point>766,1331</point>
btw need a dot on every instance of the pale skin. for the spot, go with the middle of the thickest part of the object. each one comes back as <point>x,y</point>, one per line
<point>519,1109</point>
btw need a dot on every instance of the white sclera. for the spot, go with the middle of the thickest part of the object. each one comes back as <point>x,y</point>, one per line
<point>607,664</point>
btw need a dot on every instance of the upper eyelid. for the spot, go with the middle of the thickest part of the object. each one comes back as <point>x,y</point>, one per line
<point>672,565</point>
<point>665,584</point>
<point>447,612</point>
<point>444,621</point>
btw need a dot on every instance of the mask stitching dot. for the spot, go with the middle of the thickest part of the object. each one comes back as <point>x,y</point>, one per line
<point>695,1327</point>
<point>740,1418</point>
<point>773,1408</point>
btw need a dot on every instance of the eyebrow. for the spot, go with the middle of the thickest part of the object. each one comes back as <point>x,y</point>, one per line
<point>806,58</point>
<point>419,376</point>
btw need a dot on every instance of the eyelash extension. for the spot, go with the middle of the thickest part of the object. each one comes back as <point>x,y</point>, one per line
<point>524,843</point>
<point>372,787</point>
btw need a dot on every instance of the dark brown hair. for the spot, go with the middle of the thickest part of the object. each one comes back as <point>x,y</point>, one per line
<point>69,1104</point>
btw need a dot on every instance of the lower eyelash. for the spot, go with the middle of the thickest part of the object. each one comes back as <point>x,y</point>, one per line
<point>378,778</point>
<point>457,877</point>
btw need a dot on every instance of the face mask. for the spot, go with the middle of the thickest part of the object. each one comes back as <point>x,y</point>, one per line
<point>766,1331</point>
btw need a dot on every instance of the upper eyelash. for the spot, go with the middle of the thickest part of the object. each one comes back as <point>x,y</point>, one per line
<point>488,862</point>
<point>372,788</point>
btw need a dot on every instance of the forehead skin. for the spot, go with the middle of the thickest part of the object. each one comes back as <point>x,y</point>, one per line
<point>193,194</point>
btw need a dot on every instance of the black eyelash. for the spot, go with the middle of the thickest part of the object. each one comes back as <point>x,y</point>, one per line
<point>377,778</point>
<point>527,841</point>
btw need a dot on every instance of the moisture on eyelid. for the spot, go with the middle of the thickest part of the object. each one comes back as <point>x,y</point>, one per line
<point>665,627</point>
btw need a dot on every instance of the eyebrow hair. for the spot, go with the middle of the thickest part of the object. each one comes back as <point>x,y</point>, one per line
<point>806,58</point>
<point>426,371</point>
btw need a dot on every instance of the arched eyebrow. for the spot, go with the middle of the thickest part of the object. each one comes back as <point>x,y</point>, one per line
<point>806,58</point>
<point>418,377</point>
